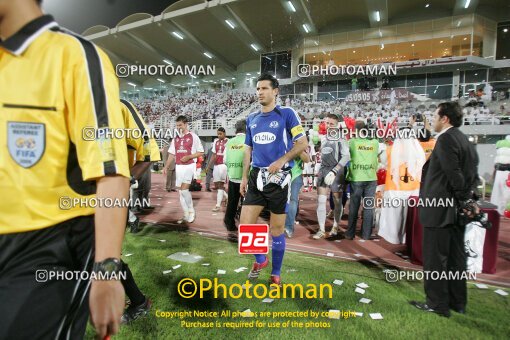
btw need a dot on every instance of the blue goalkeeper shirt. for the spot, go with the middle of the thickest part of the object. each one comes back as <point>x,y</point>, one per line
<point>272,134</point>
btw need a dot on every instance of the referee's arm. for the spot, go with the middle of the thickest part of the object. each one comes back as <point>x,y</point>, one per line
<point>92,102</point>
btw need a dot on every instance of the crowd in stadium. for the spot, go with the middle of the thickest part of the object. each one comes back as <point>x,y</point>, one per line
<point>232,104</point>
<point>202,105</point>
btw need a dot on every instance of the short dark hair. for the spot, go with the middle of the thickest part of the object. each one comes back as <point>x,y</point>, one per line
<point>451,110</point>
<point>272,79</point>
<point>38,2</point>
<point>241,126</point>
<point>182,118</point>
<point>333,116</point>
<point>221,129</point>
<point>359,125</point>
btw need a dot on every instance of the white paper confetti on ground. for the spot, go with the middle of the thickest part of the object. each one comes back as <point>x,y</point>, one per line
<point>267,300</point>
<point>501,292</point>
<point>376,316</point>
<point>364,300</point>
<point>359,290</point>
<point>338,282</point>
<point>176,266</point>
<point>221,271</point>
<point>166,271</point>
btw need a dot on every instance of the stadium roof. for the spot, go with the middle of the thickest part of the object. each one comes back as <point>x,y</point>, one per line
<point>232,34</point>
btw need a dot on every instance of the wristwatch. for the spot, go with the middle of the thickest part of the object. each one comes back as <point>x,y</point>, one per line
<point>110,266</point>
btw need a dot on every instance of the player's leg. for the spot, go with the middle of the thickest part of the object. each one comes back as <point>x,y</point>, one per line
<point>253,205</point>
<point>337,212</point>
<point>219,178</point>
<point>231,211</point>
<point>336,189</point>
<point>322,192</point>
<point>278,203</point>
<point>355,201</point>
<point>139,304</point>
<point>296,185</point>
<point>179,176</point>
<point>249,215</point>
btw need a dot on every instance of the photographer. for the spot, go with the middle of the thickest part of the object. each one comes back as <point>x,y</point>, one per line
<point>450,173</point>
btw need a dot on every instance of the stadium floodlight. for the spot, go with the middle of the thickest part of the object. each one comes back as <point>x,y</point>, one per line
<point>178,35</point>
<point>467,3</point>
<point>208,55</point>
<point>305,27</point>
<point>377,16</point>
<point>248,74</point>
<point>291,6</point>
<point>427,5</point>
<point>505,30</point>
<point>254,47</point>
<point>233,78</point>
<point>231,24</point>
<point>160,80</point>
<point>167,62</point>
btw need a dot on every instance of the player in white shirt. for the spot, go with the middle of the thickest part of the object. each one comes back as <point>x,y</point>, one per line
<point>185,148</point>
<point>220,169</point>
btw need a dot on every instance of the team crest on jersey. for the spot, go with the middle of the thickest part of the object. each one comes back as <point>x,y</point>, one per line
<point>26,142</point>
<point>273,124</point>
<point>253,126</point>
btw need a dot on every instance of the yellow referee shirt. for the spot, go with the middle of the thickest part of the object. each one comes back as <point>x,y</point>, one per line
<point>142,147</point>
<point>54,87</point>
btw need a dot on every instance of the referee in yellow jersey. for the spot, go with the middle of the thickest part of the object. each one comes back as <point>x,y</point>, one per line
<point>54,86</point>
<point>142,151</point>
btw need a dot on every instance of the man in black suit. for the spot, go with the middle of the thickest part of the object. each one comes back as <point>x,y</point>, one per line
<point>449,175</point>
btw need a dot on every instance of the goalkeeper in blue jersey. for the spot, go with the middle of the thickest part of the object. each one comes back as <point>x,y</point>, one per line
<point>274,138</point>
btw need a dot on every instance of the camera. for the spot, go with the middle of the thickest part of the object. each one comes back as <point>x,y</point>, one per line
<point>418,117</point>
<point>469,206</point>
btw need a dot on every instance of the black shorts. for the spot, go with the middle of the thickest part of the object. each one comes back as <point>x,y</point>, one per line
<point>273,197</point>
<point>32,308</point>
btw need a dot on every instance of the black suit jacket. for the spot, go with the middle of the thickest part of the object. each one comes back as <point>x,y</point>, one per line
<point>450,173</point>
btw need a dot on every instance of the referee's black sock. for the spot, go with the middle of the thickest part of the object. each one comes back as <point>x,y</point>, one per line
<point>132,291</point>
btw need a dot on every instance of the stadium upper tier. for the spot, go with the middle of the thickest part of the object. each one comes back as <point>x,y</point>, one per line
<point>208,111</point>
